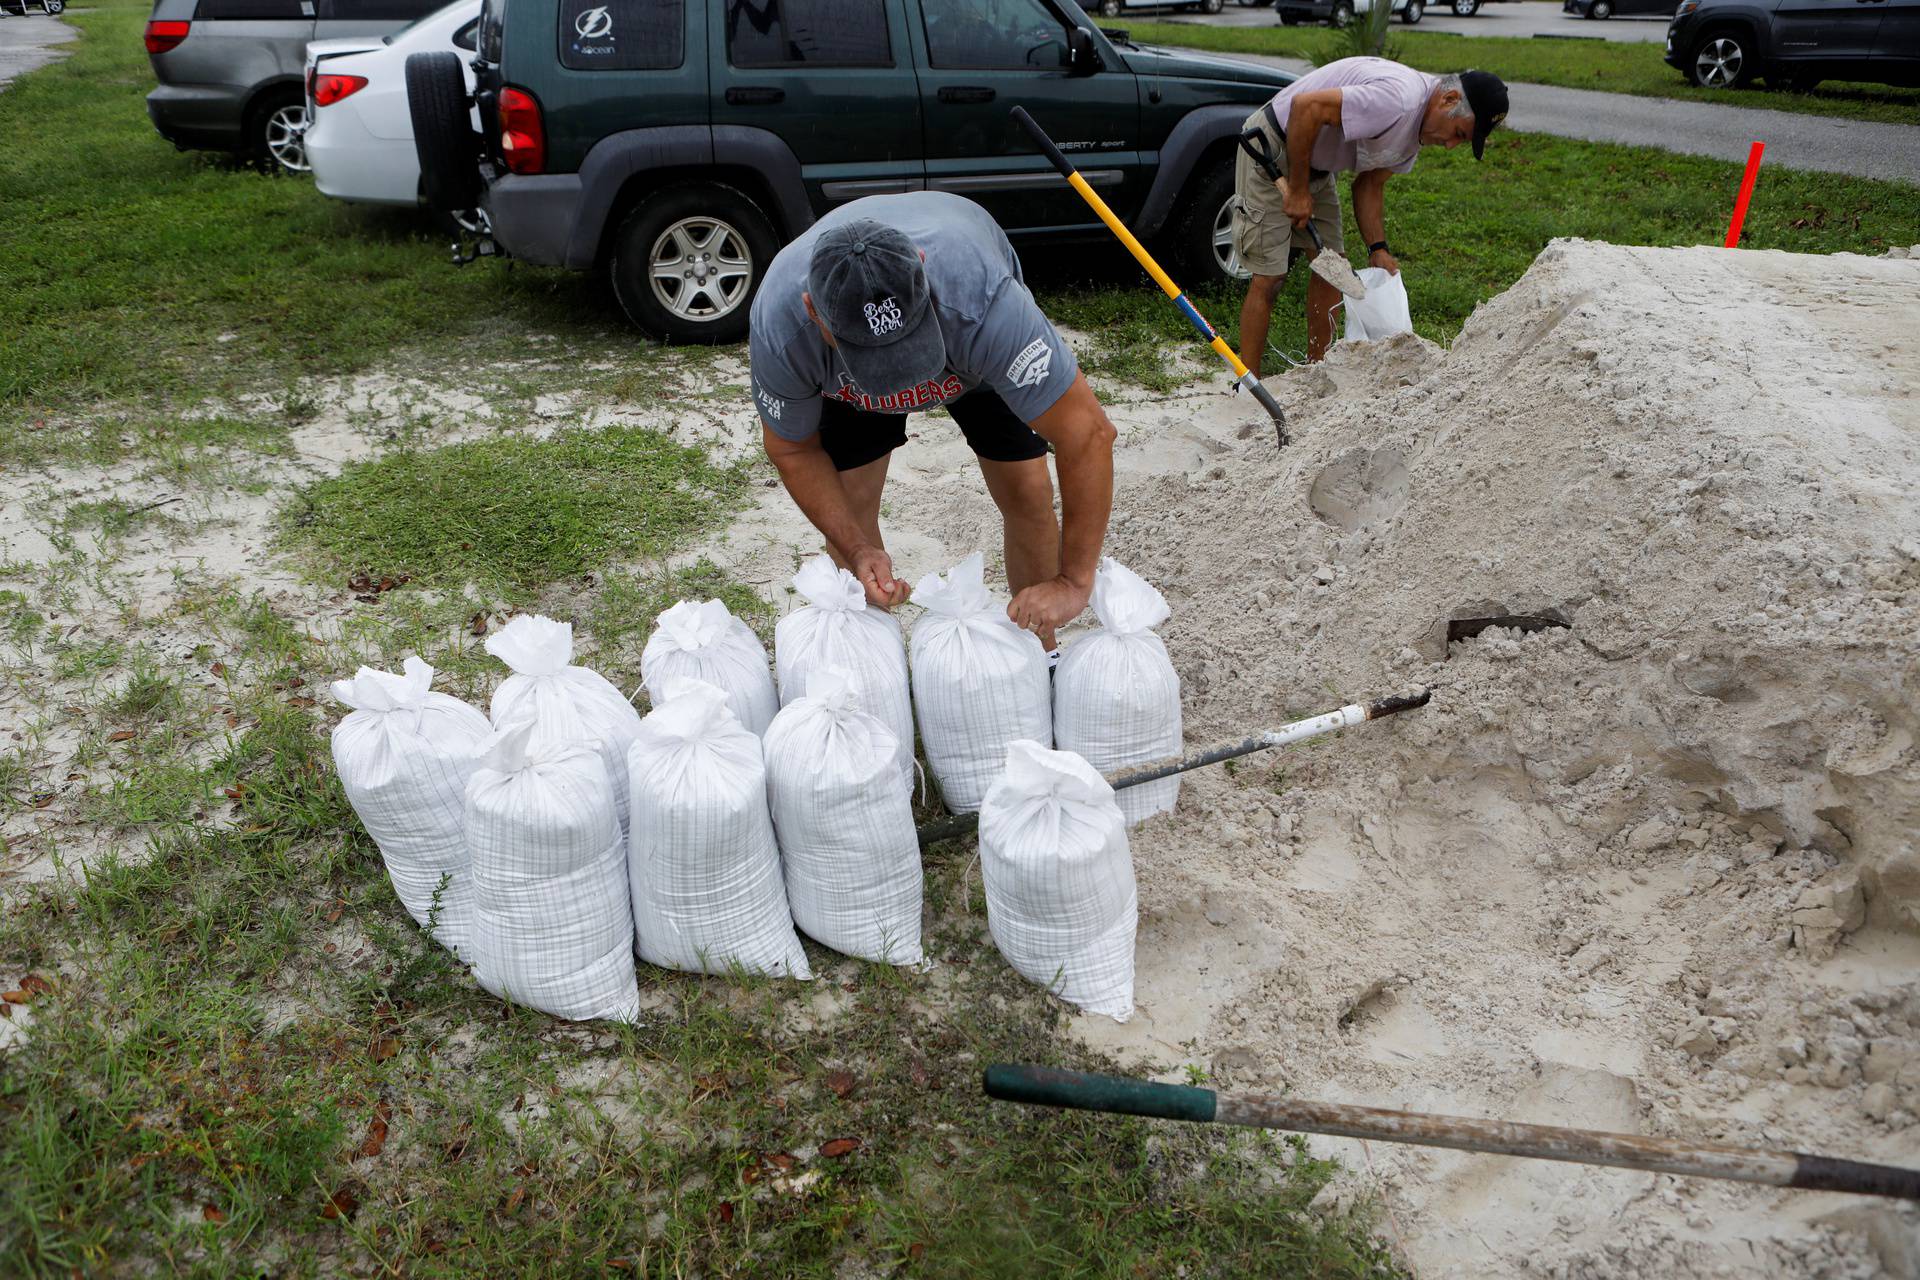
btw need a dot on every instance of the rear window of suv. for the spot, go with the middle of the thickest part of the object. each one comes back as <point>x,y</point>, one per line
<point>252,10</point>
<point>817,33</point>
<point>622,35</point>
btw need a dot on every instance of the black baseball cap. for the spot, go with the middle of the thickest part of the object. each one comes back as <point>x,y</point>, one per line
<point>1486,96</point>
<point>870,288</point>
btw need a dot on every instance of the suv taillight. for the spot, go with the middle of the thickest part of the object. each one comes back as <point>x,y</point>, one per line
<point>329,89</point>
<point>162,36</point>
<point>523,139</point>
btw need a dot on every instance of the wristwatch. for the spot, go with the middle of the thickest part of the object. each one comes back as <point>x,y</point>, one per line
<point>1378,246</point>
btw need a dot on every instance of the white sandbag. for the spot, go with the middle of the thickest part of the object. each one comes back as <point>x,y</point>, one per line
<point>844,818</point>
<point>979,683</point>
<point>837,628</point>
<point>1116,697</point>
<point>568,705</point>
<point>706,642</point>
<point>404,754</point>
<point>1384,312</point>
<point>1061,903</point>
<point>552,926</point>
<point>707,891</point>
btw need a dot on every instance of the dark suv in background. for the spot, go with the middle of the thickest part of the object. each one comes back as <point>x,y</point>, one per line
<point>230,70</point>
<point>677,144</point>
<point>1795,44</point>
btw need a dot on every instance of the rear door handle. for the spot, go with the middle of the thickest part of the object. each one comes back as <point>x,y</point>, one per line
<point>754,96</point>
<point>965,93</point>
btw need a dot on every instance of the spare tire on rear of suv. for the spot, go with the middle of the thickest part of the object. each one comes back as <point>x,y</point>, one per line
<point>686,262</point>
<point>443,136</point>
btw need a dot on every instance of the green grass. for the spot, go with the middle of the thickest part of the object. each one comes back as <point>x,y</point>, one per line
<point>133,272</point>
<point>1636,69</point>
<point>243,1028</point>
<point>514,512</point>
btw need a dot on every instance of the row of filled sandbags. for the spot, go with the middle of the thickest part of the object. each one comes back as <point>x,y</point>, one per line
<point>544,846</point>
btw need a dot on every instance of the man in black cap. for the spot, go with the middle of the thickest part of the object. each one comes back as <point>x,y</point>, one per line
<point>1367,116</point>
<point>895,304</point>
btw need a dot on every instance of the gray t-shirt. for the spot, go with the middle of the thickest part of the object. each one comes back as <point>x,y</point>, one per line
<point>996,336</point>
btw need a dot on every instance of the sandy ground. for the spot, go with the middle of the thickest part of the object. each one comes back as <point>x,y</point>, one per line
<point>1651,871</point>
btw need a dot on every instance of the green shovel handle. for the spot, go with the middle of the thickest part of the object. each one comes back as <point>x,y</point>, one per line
<point>1086,1091</point>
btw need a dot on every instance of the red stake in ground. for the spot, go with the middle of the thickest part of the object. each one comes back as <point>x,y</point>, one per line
<point>1746,194</point>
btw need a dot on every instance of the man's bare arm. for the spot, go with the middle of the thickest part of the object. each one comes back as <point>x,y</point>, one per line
<point>1082,438</point>
<point>814,484</point>
<point>1370,212</point>
<point>1308,114</point>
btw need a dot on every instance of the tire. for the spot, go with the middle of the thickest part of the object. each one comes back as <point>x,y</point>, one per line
<point>443,136</point>
<point>1212,6</point>
<point>1201,242</point>
<point>1600,10</point>
<point>696,223</point>
<point>1109,8</point>
<point>1342,15</point>
<point>276,123</point>
<point>1415,10</point>
<point>54,8</point>
<point>1465,8</point>
<point>1721,61</point>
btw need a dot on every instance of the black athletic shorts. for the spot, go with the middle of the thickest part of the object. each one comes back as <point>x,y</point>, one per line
<point>853,437</point>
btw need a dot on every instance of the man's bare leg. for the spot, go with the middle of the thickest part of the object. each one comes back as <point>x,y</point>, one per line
<point>864,485</point>
<point>1321,298</point>
<point>1024,493</point>
<point>1255,313</point>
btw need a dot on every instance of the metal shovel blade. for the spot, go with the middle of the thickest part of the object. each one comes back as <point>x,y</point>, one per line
<point>1338,272</point>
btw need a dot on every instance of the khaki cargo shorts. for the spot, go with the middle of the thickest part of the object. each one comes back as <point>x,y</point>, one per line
<point>1261,231</point>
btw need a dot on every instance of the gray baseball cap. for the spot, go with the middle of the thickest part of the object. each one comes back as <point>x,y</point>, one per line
<point>870,288</point>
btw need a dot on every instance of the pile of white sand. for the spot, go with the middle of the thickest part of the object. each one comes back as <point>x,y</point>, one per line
<point>1657,870</point>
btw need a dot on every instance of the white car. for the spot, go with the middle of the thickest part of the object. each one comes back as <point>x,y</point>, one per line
<point>359,134</point>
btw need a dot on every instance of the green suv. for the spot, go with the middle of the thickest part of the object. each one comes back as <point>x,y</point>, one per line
<point>677,144</point>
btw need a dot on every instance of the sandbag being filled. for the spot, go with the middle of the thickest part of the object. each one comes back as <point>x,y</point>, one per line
<point>404,755</point>
<point>1116,697</point>
<point>979,683</point>
<point>568,705</point>
<point>552,926</point>
<point>837,628</point>
<point>844,817</point>
<point>706,642</point>
<point>707,889</point>
<point>1061,903</point>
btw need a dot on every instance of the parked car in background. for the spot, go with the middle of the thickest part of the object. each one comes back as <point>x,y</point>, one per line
<point>1341,12</point>
<point>230,70</point>
<point>1115,8</point>
<point>359,135</point>
<point>1626,8</point>
<point>677,145</point>
<point>1795,44</point>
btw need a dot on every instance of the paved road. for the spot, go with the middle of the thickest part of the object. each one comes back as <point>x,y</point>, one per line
<point>26,43</point>
<point>1532,18</point>
<point>1820,144</point>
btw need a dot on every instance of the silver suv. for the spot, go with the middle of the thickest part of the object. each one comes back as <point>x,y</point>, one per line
<point>230,70</point>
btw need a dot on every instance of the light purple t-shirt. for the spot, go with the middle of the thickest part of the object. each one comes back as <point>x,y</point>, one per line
<point>1381,106</point>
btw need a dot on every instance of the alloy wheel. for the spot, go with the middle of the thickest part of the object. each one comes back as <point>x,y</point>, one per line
<point>1225,252</point>
<point>1718,63</point>
<point>701,269</point>
<point>286,135</point>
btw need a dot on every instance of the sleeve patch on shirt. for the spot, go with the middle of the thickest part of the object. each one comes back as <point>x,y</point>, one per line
<point>1031,366</point>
